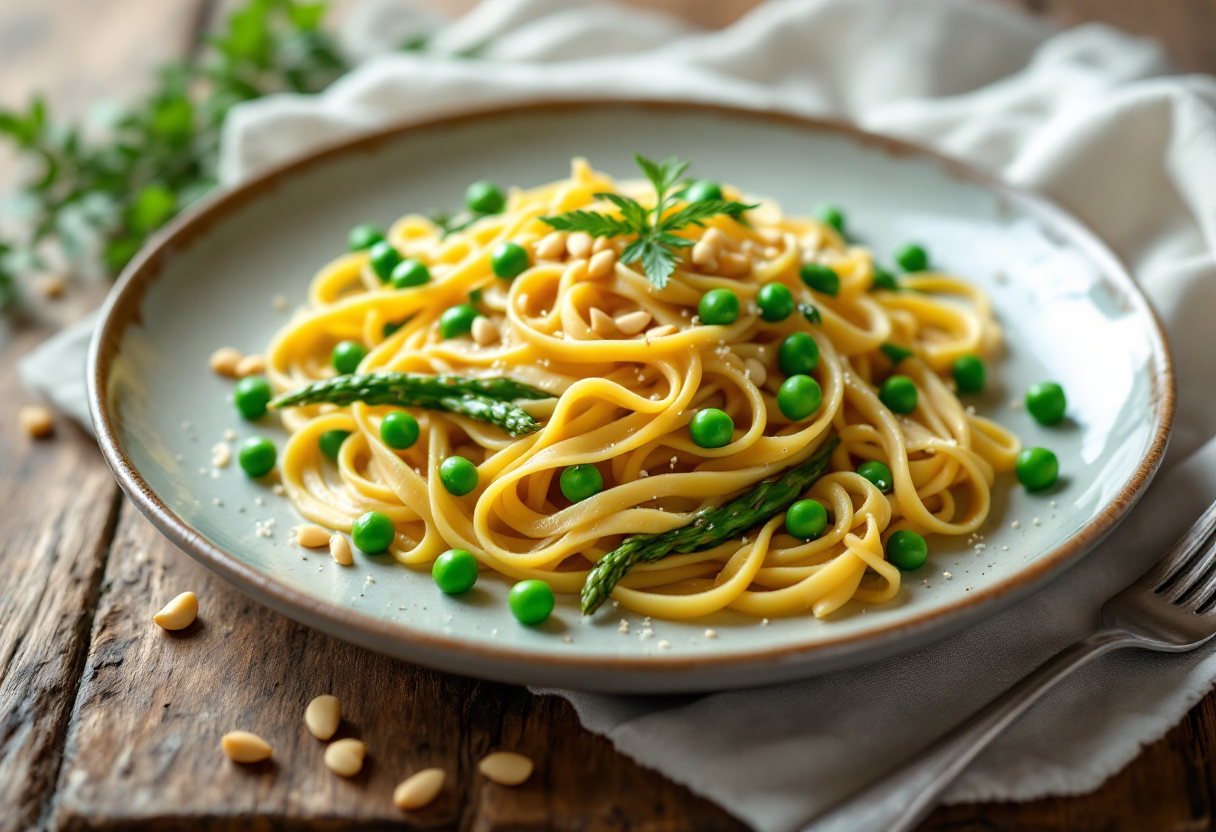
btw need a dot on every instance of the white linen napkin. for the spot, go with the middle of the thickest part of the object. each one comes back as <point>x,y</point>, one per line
<point>1089,116</point>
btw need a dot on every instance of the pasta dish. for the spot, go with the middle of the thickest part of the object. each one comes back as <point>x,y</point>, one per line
<point>659,392</point>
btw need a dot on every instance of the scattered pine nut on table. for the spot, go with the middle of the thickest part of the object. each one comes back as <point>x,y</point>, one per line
<point>179,613</point>
<point>345,757</point>
<point>419,789</point>
<point>323,715</point>
<point>244,747</point>
<point>36,421</point>
<point>506,768</point>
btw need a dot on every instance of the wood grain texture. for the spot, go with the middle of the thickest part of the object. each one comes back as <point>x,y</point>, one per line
<point>144,749</point>
<point>59,501</point>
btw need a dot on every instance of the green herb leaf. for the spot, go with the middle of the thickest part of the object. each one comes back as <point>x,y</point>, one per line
<point>655,244</point>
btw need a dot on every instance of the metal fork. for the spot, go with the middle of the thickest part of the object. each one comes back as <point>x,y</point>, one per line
<point>1168,609</point>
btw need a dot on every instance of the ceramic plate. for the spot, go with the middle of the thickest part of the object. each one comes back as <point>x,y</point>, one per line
<point>1069,312</point>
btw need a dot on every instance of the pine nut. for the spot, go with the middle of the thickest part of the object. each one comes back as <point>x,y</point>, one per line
<point>756,371</point>
<point>552,246</point>
<point>633,322</point>
<point>506,768</point>
<point>720,240</point>
<point>36,421</point>
<point>772,236</point>
<point>244,747</point>
<point>602,323</point>
<point>601,244</point>
<point>221,455</point>
<point>734,265</point>
<point>484,331</point>
<point>340,549</point>
<point>345,757</point>
<point>661,331</point>
<point>250,365</point>
<point>323,715</point>
<point>51,286</point>
<point>579,244</point>
<point>419,789</point>
<point>225,360</point>
<point>312,537</point>
<point>601,265</point>
<point>179,613</point>
<point>705,254</point>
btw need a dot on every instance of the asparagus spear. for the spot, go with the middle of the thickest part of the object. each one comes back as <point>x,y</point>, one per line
<point>486,400</point>
<point>399,388</point>
<point>711,528</point>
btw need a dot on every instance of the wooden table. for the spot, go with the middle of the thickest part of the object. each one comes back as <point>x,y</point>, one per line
<point>106,722</point>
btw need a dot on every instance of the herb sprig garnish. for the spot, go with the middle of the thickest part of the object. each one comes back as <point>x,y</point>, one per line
<point>656,242</point>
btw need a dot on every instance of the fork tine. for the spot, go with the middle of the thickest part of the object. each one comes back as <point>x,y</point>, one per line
<point>1205,588</point>
<point>1171,565</point>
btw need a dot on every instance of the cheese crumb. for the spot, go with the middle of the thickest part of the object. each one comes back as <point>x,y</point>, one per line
<point>711,633</point>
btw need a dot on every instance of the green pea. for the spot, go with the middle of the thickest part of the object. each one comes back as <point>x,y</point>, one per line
<point>257,456</point>
<point>458,475</point>
<point>364,236</point>
<point>454,572</point>
<point>409,273</point>
<point>373,533</point>
<point>799,397</point>
<point>578,482</point>
<point>251,396</point>
<point>821,278</point>
<point>798,354</point>
<point>907,550</point>
<point>878,474</point>
<point>912,258</point>
<point>346,356</point>
<point>806,519</point>
<point>898,393</point>
<point>833,216</point>
<point>331,441</point>
<point>484,197</point>
<point>399,430</point>
<point>702,190</point>
<point>508,260</point>
<point>531,601</point>
<point>383,258</point>
<point>895,352</point>
<point>969,374</point>
<point>883,279</point>
<point>711,428</point>
<point>718,307</point>
<point>457,320</point>
<point>775,301</point>
<point>1037,468</point>
<point>1046,402</point>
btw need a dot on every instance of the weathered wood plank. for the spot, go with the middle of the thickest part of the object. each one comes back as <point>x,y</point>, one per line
<point>144,749</point>
<point>59,499</point>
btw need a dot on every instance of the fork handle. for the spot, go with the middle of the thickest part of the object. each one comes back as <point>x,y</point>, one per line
<point>898,802</point>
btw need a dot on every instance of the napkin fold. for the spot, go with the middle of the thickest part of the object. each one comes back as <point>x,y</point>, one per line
<point>1090,117</point>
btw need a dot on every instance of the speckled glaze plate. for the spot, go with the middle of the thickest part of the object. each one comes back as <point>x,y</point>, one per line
<point>1069,312</point>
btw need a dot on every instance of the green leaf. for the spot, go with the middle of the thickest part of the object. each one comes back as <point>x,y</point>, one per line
<point>695,213</point>
<point>152,208</point>
<point>591,222</point>
<point>306,16</point>
<point>659,262</point>
<point>631,210</point>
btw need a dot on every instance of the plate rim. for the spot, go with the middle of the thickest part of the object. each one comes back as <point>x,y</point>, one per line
<point>122,308</point>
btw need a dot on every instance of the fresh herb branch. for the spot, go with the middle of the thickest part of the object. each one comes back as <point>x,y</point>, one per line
<point>656,243</point>
<point>157,158</point>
